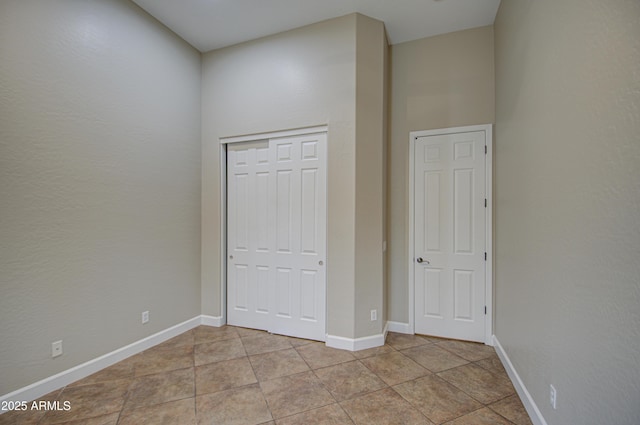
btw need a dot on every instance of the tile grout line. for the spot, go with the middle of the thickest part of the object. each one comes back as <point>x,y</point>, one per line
<point>484,405</point>
<point>255,375</point>
<point>488,406</point>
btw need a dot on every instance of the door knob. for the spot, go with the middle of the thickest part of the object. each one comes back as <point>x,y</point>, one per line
<point>421,260</point>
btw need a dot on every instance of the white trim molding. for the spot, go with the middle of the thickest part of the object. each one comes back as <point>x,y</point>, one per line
<point>215,321</point>
<point>357,344</point>
<point>275,134</point>
<point>523,393</point>
<point>399,327</point>
<point>62,379</point>
<point>223,232</point>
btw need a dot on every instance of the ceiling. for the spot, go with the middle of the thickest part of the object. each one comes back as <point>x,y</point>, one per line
<point>212,24</point>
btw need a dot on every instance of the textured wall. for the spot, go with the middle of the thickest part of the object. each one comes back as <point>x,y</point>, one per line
<point>567,195</point>
<point>99,182</point>
<point>436,82</point>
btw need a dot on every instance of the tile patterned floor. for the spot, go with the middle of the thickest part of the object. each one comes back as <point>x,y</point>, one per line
<point>233,376</point>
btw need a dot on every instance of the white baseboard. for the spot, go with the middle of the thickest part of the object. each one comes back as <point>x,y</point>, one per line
<point>52,383</point>
<point>527,400</point>
<point>399,327</point>
<point>212,321</point>
<point>357,344</point>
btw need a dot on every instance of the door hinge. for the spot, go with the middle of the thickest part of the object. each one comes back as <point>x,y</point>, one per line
<point>485,202</point>
<point>485,256</point>
<point>485,149</point>
<point>485,309</point>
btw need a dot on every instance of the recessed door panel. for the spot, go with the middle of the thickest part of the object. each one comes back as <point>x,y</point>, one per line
<point>283,211</point>
<point>432,205</point>
<point>310,150</point>
<point>262,155</point>
<point>262,279</point>
<point>241,274</point>
<point>463,211</point>
<point>261,212</point>
<point>432,293</point>
<point>463,295</point>
<point>241,201</point>
<point>241,159</point>
<point>308,290</point>
<point>463,150</point>
<point>284,152</point>
<point>309,211</point>
<point>283,294</point>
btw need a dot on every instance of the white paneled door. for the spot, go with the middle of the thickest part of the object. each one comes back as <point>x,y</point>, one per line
<point>276,235</point>
<point>449,235</point>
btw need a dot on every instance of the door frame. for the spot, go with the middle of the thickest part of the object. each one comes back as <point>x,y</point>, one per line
<point>413,136</point>
<point>224,142</point>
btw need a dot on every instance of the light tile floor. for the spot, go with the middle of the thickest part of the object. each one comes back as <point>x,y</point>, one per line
<point>232,375</point>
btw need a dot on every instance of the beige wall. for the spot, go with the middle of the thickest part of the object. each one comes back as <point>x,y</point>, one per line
<point>299,78</point>
<point>100,182</point>
<point>371,49</point>
<point>567,202</point>
<point>436,82</point>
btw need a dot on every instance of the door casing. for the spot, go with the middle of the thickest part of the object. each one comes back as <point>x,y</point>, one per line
<point>488,131</point>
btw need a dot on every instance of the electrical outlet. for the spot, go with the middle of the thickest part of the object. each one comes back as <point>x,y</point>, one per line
<point>56,348</point>
<point>145,317</point>
<point>374,315</point>
<point>553,396</point>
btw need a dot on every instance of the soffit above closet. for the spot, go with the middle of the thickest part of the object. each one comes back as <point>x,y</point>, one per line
<point>213,24</point>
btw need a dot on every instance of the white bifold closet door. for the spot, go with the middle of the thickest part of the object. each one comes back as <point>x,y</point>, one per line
<point>276,235</point>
